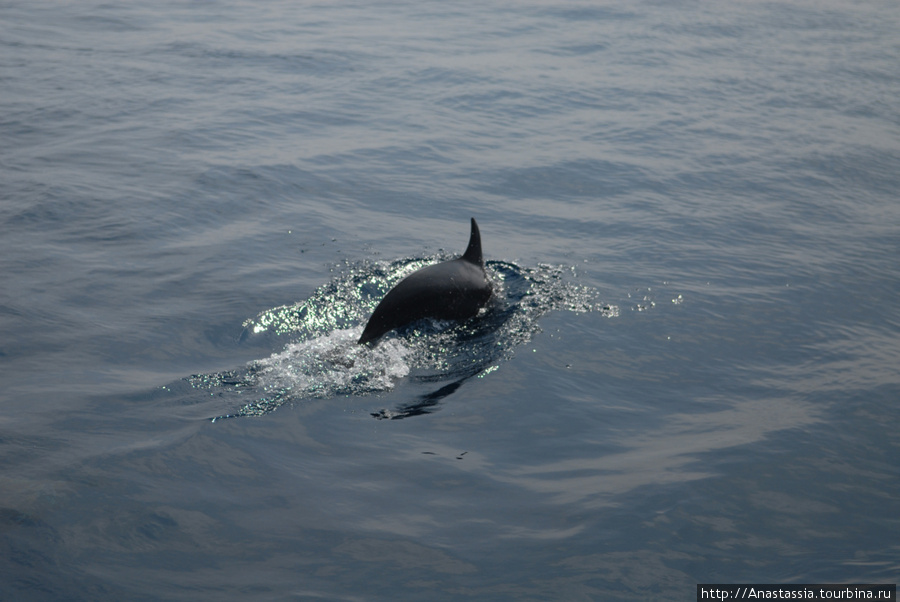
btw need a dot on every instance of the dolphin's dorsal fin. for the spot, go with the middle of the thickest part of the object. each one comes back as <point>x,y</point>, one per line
<point>473,251</point>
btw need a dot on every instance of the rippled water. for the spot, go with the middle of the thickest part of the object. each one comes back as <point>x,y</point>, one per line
<point>324,360</point>
<point>689,373</point>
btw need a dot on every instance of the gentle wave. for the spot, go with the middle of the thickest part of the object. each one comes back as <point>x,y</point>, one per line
<point>322,359</point>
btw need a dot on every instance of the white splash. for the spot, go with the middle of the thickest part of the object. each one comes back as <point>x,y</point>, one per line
<point>332,364</point>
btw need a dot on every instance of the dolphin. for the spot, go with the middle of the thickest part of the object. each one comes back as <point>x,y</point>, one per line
<point>450,290</point>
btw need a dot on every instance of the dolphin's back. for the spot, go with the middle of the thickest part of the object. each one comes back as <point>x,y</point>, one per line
<point>451,290</point>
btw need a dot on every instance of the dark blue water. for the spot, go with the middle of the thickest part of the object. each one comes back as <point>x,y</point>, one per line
<point>690,373</point>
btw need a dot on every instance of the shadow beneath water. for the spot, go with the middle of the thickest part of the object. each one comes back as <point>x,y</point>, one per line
<point>426,404</point>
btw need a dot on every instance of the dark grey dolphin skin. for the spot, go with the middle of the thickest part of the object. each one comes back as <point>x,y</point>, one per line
<point>450,290</point>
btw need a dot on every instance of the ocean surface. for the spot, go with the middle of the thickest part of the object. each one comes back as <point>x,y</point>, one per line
<point>689,372</point>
